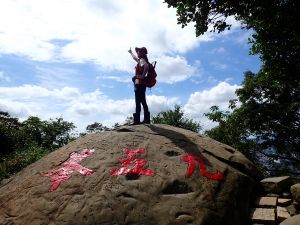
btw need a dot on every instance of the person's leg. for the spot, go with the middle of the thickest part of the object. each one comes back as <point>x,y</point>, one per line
<point>136,115</point>
<point>145,106</point>
<point>143,98</point>
<point>137,101</point>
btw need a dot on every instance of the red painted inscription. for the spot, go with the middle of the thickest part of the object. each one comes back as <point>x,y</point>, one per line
<point>190,159</point>
<point>132,165</point>
<point>65,170</point>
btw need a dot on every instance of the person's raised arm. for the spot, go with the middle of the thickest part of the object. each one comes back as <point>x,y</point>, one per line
<point>133,56</point>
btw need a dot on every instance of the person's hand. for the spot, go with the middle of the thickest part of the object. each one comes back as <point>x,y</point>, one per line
<point>130,50</point>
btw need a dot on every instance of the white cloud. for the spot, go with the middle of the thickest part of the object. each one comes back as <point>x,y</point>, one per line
<point>16,108</point>
<point>66,93</point>
<point>169,69</point>
<point>53,77</point>
<point>82,108</point>
<point>28,92</point>
<point>161,103</point>
<point>212,79</point>
<point>24,92</point>
<point>33,100</point>
<point>115,78</point>
<point>4,77</point>
<point>97,31</point>
<point>219,66</point>
<point>218,50</point>
<point>200,102</point>
<point>174,69</point>
<point>242,38</point>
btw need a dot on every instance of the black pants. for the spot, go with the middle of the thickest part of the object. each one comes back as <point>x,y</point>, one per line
<point>140,98</point>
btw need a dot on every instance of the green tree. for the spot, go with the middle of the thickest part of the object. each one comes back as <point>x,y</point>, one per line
<point>275,25</point>
<point>128,121</point>
<point>49,135</point>
<point>276,36</point>
<point>233,132</point>
<point>116,125</point>
<point>270,99</point>
<point>31,132</point>
<point>96,127</point>
<point>57,133</point>
<point>22,143</point>
<point>176,118</point>
<point>270,111</point>
<point>9,127</point>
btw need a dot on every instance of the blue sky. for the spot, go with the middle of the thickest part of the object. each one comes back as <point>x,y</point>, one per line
<point>70,59</point>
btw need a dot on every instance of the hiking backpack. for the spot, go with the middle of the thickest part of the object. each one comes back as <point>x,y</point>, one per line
<point>150,79</point>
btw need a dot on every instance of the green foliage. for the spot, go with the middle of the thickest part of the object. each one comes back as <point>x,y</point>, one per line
<point>128,120</point>
<point>8,128</point>
<point>176,118</point>
<point>57,133</point>
<point>232,131</point>
<point>96,127</point>
<point>269,113</point>
<point>276,37</point>
<point>266,125</point>
<point>116,125</point>
<point>50,134</point>
<point>31,131</point>
<point>22,143</point>
<point>21,158</point>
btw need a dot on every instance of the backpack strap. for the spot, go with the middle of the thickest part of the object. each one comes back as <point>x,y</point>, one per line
<point>154,64</point>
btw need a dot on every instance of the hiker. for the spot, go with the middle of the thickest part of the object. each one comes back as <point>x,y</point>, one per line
<point>141,70</point>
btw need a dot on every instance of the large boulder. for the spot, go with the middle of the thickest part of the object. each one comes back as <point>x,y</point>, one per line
<point>145,174</point>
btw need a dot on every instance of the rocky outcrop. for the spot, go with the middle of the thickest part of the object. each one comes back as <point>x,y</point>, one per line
<point>279,208</point>
<point>294,208</point>
<point>145,174</point>
<point>295,220</point>
<point>295,191</point>
<point>277,185</point>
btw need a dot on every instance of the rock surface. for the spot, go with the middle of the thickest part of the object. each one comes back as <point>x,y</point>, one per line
<point>293,208</point>
<point>96,191</point>
<point>276,185</point>
<point>295,190</point>
<point>294,220</point>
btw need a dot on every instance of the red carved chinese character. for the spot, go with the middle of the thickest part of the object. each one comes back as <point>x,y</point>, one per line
<point>67,168</point>
<point>138,164</point>
<point>191,160</point>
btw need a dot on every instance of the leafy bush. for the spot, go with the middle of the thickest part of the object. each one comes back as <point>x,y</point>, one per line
<point>19,159</point>
<point>23,143</point>
<point>176,118</point>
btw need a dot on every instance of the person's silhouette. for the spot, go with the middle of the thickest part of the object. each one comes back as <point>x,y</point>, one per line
<point>141,70</point>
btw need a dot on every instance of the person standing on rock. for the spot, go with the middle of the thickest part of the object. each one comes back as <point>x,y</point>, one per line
<point>141,70</point>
